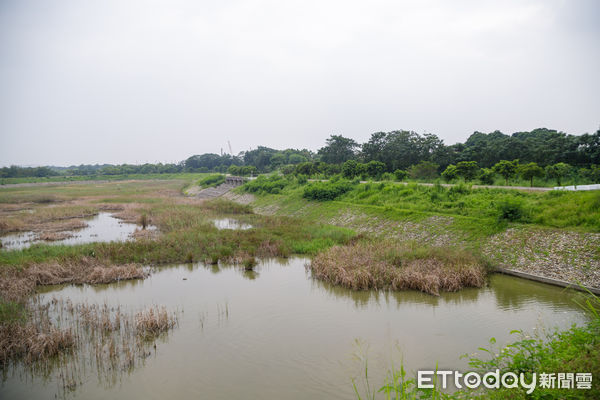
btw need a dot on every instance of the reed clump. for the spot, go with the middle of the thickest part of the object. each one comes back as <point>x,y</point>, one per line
<point>154,321</point>
<point>388,265</point>
<point>34,339</point>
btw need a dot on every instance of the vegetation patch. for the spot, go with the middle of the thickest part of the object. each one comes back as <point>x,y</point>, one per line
<point>273,184</point>
<point>323,191</point>
<point>212,180</point>
<point>386,265</point>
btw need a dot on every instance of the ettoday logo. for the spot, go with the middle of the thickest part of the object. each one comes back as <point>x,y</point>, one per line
<point>509,380</point>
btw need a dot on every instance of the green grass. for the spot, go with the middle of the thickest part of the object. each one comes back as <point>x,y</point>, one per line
<point>469,207</point>
<point>188,234</point>
<point>212,180</point>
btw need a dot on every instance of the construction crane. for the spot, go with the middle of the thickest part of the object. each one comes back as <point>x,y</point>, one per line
<point>230,151</point>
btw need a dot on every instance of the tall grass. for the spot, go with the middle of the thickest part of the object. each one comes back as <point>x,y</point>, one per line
<point>388,265</point>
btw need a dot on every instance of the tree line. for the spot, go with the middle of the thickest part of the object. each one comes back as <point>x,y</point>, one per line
<point>538,153</point>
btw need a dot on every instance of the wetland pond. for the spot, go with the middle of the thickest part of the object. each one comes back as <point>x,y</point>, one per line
<point>103,227</point>
<point>277,333</point>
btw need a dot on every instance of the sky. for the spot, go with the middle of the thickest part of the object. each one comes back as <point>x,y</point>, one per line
<point>116,81</point>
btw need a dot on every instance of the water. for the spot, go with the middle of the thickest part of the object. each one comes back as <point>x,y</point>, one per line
<point>101,228</point>
<point>287,336</point>
<point>229,223</point>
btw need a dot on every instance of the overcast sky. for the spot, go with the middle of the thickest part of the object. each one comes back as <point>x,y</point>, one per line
<point>145,81</point>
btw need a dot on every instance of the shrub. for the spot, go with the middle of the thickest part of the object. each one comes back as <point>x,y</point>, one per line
<point>467,169</point>
<point>323,191</point>
<point>450,173</point>
<point>272,184</point>
<point>424,170</point>
<point>212,180</point>
<point>400,174</point>
<point>487,176</point>
<point>375,169</point>
<point>387,177</point>
<point>511,209</point>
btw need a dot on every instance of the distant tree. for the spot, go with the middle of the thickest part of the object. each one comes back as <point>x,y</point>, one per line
<point>306,168</point>
<point>487,176</point>
<point>467,169</point>
<point>558,171</point>
<point>375,169</point>
<point>423,170</point>
<point>277,160</point>
<point>297,159</point>
<point>507,169</point>
<point>530,171</point>
<point>288,169</point>
<point>450,173</point>
<point>338,149</point>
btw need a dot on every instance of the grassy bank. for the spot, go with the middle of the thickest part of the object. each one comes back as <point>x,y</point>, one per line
<point>552,234</point>
<point>557,209</point>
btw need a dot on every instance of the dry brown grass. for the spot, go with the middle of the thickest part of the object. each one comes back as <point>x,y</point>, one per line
<point>386,265</point>
<point>154,321</point>
<point>53,218</point>
<point>34,340</point>
<point>16,285</point>
<point>53,236</point>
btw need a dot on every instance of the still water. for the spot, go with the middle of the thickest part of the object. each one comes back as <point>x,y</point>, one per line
<point>230,223</point>
<point>101,228</point>
<point>288,336</point>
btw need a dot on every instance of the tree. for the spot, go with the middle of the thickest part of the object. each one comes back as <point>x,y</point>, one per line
<point>467,169</point>
<point>297,159</point>
<point>530,171</point>
<point>558,171</point>
<point>349,169</point>
<point>423,170</point>
<point>277,160</point>
<point>306,168</point>
<point>338,149</point>
<point>400,174</point>
<point>449,173</point>
<point>375,168</point>
<point>487,176</point>
<point>507,169</point>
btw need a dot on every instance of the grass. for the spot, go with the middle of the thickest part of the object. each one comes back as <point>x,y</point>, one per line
<point>188,230</point>
<point>470,207</point>
<point>388,265</point>
<point>212,180</point>
<point>96,177</point>
<point>186,234</point>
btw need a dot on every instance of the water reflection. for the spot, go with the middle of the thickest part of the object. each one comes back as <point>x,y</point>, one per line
<point>230,223</point>
<point>101,228</point>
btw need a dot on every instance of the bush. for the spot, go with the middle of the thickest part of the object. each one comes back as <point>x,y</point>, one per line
<point>511,209</point>
<point>400,174</point>
<point>302,179</point>
<point>323,191</point>
<point>424,170</point>
<point>387,177</point>
<point>449,173</point>
<point>272,184</point>
<point>212,180</point>
<point>487,176</point>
